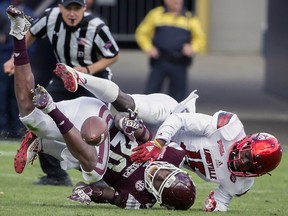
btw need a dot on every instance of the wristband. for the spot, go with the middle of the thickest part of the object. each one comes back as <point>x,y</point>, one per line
<point>88,71</point>
<point>121,123</point>
<point>157,144</point>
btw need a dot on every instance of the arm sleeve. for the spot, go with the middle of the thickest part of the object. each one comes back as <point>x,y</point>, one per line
<point>222,198</point>
<point>195,123</point>
<point>154,108</point>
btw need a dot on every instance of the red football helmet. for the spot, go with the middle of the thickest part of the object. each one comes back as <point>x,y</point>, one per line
<point>255,155</point>
<point>171,186</point>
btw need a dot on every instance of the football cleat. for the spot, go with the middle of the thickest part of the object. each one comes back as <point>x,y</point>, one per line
<point>20,23</point>
<point>42,99</point>
<point>27,152</point>
<point>69,76</point>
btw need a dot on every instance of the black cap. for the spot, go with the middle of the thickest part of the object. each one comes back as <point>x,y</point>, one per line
<point>65,3</point>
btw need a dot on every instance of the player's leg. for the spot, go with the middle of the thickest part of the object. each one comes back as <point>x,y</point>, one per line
<point>104,89</point>
<point>23,81</point>
<point>154,108</point>
<point>23,77</point>
<point>86,155</point>
<point>47,147</point>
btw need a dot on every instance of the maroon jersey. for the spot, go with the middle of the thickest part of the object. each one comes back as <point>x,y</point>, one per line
<point>127,177</point>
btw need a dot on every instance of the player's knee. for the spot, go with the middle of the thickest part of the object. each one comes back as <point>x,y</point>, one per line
<point>124,102</point>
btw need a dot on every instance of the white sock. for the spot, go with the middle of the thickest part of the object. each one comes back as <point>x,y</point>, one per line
<point>106,90</point>
<point>53,148</point>
<point>91,176</point>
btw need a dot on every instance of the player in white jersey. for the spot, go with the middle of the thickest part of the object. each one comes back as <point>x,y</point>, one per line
<point>153,109</point>
<point>218,150</point>
<point>51,122</point>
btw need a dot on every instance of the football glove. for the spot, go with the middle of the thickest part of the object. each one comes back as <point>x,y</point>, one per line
<point>82,194</point>
<point>210,203</point>
<point>130,124</point>
<point>147,151</point>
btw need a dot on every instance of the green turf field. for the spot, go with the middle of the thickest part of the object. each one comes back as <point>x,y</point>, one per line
<point>268,196</point>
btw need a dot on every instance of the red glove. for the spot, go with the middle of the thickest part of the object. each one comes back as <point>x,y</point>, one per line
<point>210,203</point>
<point>147,151</point>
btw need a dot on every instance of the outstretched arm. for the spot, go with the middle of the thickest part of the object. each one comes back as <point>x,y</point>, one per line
<point>94,192</point>
<point>132,126</point>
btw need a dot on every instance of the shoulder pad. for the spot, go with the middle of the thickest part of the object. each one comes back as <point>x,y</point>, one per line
<point>223,118</point>
<point>228,124</point>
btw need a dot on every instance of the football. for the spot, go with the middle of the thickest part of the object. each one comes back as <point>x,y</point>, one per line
<point>94,130</point>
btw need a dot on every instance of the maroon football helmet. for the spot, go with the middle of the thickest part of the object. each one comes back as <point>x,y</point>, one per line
<point>171,186</point>
<point>255,155</point>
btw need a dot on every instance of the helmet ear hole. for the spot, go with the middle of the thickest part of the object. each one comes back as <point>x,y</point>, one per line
<point>258,162</point>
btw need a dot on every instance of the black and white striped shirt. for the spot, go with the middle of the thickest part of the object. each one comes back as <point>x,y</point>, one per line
<point>83,45</point>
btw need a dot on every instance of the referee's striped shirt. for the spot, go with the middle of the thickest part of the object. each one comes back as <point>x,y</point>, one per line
<point>82,45</point>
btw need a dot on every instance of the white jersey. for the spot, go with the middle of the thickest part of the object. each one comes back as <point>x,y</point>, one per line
<point>207,140</point>
<point>153,109</point>
<point>77,111</point>
<point>84,45</point>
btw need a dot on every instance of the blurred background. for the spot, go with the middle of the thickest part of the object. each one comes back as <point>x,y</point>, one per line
<point>243,69</point>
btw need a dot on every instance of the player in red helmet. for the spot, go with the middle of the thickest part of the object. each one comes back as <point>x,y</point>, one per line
<point>218,151</point>
<point>255,155</point>
<point>153,109</point>
<point>222,129</point>
<point>61,122</point>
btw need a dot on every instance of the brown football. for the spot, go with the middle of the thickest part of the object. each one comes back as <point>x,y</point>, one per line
<point>94,130</point>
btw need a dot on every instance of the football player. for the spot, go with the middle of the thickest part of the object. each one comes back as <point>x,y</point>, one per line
<point>133,185</point>
<point>218,150</point>
<point>52,123</point>
<point>153,109</point>
<point>47,119</point>
<point>129,184</point>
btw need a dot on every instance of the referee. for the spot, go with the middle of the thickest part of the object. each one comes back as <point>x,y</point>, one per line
<point>81,41</point>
